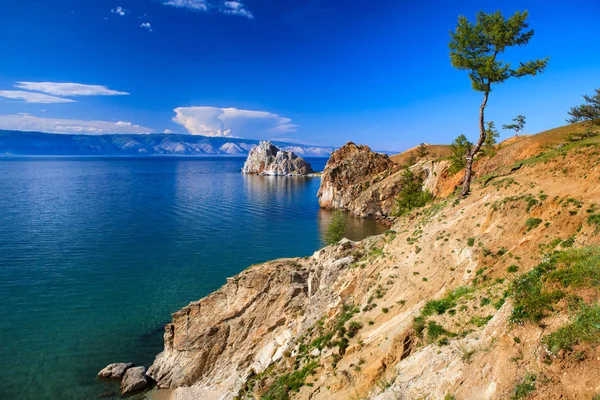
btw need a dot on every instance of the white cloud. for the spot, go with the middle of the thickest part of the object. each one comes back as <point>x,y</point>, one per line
<point>168,131</point>
<point>196,5</point>
<point>147,26</point>
<point>68,89</point>
<point>214,121</point>
<point>230,7</point>
<point>27,122</point>
<point>119,11</point>
<point>29,97</point>
<point>235,8</point>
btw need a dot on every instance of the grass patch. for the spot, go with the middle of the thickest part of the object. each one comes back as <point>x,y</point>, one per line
<point>289,383</point>
<point>525,387</point>
<point>585,328</point>
<point>444,304</point>
<point>532,223</point>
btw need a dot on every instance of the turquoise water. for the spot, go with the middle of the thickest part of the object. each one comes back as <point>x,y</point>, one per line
<point>96,253</point>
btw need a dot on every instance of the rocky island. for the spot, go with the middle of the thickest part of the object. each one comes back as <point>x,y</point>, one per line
<point>268,159</point>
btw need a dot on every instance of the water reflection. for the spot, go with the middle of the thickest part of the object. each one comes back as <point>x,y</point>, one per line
<point>356,228</point>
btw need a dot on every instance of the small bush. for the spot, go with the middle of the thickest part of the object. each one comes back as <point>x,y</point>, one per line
<point>337,228</point>
<point>525,387</point>
<point>532,223</point>
<point>513,268</point>
<point>289,383</point>
<point>353,328</point>
<point>594,220</point>
<point>435,330</point>
<point>471,242</point>
<point>442,305</point>
<point>411,195</point>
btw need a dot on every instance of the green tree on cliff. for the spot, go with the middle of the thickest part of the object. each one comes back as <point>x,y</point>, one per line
<point>412,194</point>
<point>459,148</point>
<point>518,124</point>
<point>476,48</point>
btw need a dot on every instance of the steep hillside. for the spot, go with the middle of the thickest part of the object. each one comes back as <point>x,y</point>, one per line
<point>491,297</point>
<point>411,156</point>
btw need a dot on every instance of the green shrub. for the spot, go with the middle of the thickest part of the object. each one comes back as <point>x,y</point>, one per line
<point>460,147</point>
<point>337,228</point>
<point>585,328</point>
<point>471,242</point>
<point>532,223</point>
<point>289,383</point>
<point>411,194</point>
<point>594,220</point>
<point>513,268</point>
<point>435,330</point>
<point>353,328</point>
<point>525,387</point>
<point>442,305</point>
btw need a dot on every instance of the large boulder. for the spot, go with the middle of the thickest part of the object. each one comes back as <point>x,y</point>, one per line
<point>134,380</point>
<point>267,159</point>
<point>114,371</point>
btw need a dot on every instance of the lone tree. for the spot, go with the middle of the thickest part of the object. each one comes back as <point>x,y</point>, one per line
<point>588,113</point>
<point>422,150</point>
<point>475,47</point>
<point>517,126</point>
<point>491,134</point>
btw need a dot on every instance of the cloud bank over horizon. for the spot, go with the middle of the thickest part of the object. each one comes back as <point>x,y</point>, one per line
<point>30,123</point>
<point>232,122</point>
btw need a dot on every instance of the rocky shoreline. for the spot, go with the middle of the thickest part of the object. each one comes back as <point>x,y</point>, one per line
<point>267,159</point>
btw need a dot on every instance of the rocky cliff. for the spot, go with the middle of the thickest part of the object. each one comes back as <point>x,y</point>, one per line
<point>490,297</point>
<point>367,183</point>
<point>267,159</point>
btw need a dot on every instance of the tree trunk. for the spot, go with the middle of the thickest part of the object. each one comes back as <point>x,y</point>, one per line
<point>466,188</point>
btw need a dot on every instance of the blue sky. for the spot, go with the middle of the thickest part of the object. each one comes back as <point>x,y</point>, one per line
<point>314,71</point>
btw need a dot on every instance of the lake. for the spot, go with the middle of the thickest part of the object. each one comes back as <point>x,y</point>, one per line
<point>96,253</point>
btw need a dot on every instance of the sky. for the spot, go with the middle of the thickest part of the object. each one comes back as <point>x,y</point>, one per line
<point>321,72</point>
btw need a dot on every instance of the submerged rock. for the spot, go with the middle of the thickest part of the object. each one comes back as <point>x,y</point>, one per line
<point>267,159</point>
<point>134,380</point>
<point>115,371</point>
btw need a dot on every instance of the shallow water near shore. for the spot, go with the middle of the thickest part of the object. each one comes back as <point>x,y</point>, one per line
<point>96,253</point>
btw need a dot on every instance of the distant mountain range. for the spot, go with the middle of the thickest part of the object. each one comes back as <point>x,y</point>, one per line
<point>50,144</point>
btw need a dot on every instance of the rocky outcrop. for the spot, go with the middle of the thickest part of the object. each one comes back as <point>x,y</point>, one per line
<point>215,344</point>
<point>134,381</point>
<point>267,159</point>
<point>349,179</point>
<point>367,183</point>
<point>115,371</point>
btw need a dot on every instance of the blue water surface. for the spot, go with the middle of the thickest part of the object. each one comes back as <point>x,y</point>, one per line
<point>96,253</point>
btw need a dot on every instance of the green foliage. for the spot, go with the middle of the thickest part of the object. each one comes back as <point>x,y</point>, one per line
<point>412,194</point>
<point>435,330</point>
<point>480,321</point>
<point>422,150</point>
<point>513,268</point>
<point>532,293</point>
<point>588,114</point>
<point>460,147</point>
<point>525,387</point>
<point>475,47</point>
<point>491,134</point>
<point>289,383</point>
<point>442,305</point>
<point>585,328</point>
<point>337,228</point>
<point>470,242</point>
<point>594,220</point>
<point>353,328</point>
<point>532,223</point>
<point>518,124</point>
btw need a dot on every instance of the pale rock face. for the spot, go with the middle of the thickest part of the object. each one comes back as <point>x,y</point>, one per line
<point>134,380</point>
<point>114,371</point>
<point>267,159</point>
<point>214,344</point>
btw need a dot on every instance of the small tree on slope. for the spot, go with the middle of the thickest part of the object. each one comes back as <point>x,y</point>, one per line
<point>519,124</point>
<point>588,113</point>
<point>475,47</point>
